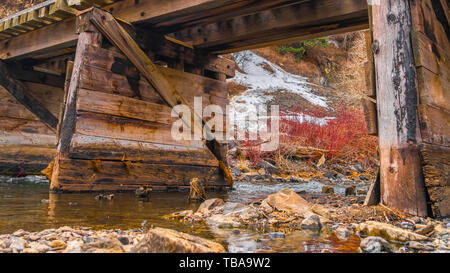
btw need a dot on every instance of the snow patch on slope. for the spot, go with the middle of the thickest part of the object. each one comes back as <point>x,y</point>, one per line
<point>261,77</point>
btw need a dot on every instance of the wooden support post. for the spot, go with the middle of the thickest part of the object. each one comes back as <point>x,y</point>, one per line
<point>21,93</point>
<point>401,177</point>
<point>119,37</point>
<point>67,127</point>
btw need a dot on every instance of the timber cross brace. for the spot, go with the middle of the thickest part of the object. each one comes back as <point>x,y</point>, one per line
<point>121,81</point>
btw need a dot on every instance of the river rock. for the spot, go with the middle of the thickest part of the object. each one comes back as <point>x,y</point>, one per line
<point>342,233</point>
<point>161,240</point>
<point>20,233</point>
<point>18,244</point>
<point>350,190</point>
<point>269,168</point>
<point>426,229</point>
<point>312,222</point>
<point>389,232</point>
<point>103,245</point>
<point>418,246</point>
<point>58,245</point>
<point>374,244</point>
<point>40,247</point>
<point>74,247</point>
<point>223,220</point>
<point>328,189</point>
<point>210,204</point>
<point>286,201</point>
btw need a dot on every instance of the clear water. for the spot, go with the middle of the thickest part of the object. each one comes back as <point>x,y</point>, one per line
<point>25,203</point>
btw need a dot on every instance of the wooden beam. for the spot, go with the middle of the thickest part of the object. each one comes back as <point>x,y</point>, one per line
<point>276,24</point>
<point>401,177</point>
<point>28,75</point>
<point>20,92</point>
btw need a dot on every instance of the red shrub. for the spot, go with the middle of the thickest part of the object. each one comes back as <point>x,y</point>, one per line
<point>332,136</point>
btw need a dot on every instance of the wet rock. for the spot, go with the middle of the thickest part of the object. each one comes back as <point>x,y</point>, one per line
<point>342,233</point>
<point>143,192</point>
<point>17,244</point>
<point>373,244</point>
<point>103,245</point>
<point>269,168</point>
<point>321,210</point>
<point>364,177</point>
<point>341,176</point>
<point>210,204</point>
<point>40,247</point>
<point>108,197</point>
<point>180,214</point>
<point>30,250</point>
<point>286,201</point>
<point>236,172</point>
<point>328,189</point>
<point>361,192</point>
<point>312,222</point>
<point>161,240</point>
<point>223,221</point>
<point>358,168</point>
<point>73,247</point>
<point>389,232</point>
<point>58,245</point>
<point>351,190</point>
<point>20,233</point>
<point>123,240</point>
<point>418,246</point>
<point>34,237</point>
<point>294,179</point>
<point>330,175</point>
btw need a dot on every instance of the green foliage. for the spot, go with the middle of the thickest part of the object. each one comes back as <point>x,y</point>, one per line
<point>301,49</point>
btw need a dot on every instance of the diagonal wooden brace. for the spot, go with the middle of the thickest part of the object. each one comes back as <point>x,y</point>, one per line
<point>22,94</point>
<point>118,36</point>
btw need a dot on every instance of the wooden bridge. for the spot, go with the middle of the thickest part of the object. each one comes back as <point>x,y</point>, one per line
<point>92,89</point>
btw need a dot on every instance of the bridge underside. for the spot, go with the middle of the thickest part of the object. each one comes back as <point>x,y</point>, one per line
<point>73,91</point>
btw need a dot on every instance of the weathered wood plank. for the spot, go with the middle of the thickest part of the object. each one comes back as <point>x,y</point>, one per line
<point>10,124</point>
<point>101,148</point>
<point>370,114</point>
<point>428,17</point>
<point>402,185</point>
<point>21,93</point>
<point>23,159</point>
<point>15,110</point>
<point>436,169</point>
<point>102,103</point>
<point>21,138</point>
<point>110,175</point>
<point>278,24</point>
<point>434,124</point>
<point>124,128</point>
<point>103,81</point>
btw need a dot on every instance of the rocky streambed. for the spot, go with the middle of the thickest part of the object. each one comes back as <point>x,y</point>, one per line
<point>282,222</point>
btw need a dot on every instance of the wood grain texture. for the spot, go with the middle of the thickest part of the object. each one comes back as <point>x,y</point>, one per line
<point>401,176</point>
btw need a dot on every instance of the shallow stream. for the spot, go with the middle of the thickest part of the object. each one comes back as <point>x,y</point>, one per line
<point>25,203</point>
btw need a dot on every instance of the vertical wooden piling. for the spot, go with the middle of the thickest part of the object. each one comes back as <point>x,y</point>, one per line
<point>87,36</point>
<point>401,177</point>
